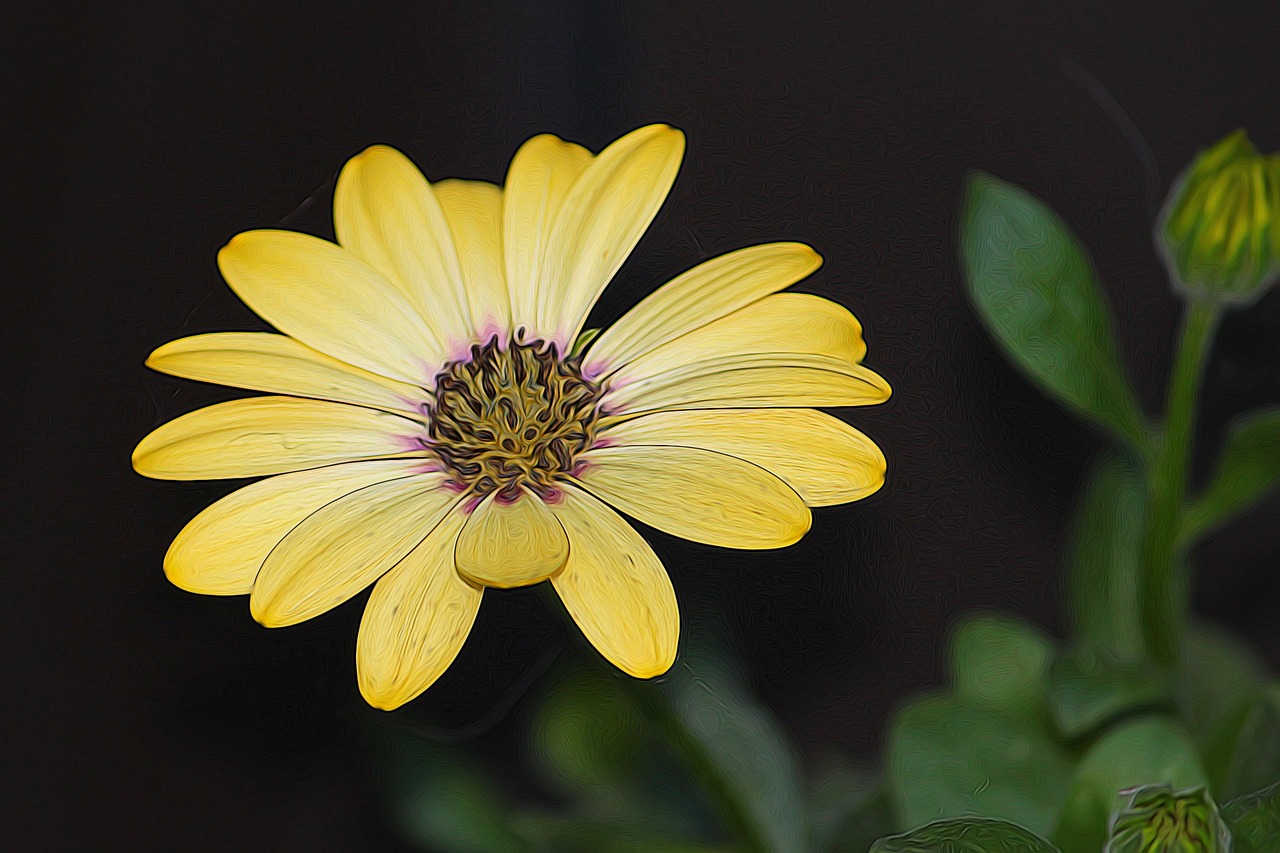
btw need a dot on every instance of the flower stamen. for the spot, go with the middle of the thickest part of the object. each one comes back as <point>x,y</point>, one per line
<point>511,416</point>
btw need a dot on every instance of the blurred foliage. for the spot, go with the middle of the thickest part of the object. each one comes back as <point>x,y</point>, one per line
<point>1136,752</point>
<point>691,762</point>
<point>1140,730</point>
<point>1248,468</point>
<point>1032,284</point>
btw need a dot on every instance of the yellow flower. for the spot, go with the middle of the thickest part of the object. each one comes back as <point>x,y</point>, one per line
<point>436,432</point>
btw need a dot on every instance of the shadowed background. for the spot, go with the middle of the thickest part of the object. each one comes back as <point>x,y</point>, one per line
<point>144,136</point>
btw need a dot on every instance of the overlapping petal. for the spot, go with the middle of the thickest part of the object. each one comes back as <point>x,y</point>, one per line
<point>542,173</point>
<point>254,436</point>
<point>776,327</point>
<point>616,588</point>
<point>749,382</point>
<point>702,295</point>
<point>698,494</point>
<point>416,621</point>
<point>510,543</point>
<point>385,212</point>
<point>604,214</point>
<point>474,212</point>
<point>280,365</point>
<point>332,301</point>
<point>824,459</point>
<point>220,551</point>
<point>346,545</point>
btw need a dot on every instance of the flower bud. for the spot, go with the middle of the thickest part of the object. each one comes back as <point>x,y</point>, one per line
<point>1157,818</point>
<point>1220,227</point>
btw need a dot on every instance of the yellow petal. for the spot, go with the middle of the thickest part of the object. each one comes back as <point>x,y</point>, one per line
<point>508,544</point>
<point>220,551</point>
<point>385,212</point>
<point>783,324</point>
<point>699,495</point>
<point>824,459</point>
<point>616,589</point>
<point>794,381</point>
<point>332,301</point>
<point>416,621</point>
<point>474,212</point>
<point>541,175</point>
<point>346,545</point>
<point>280,365</point>
<point>605,213</point>
<point>705,293</point>
<point>254,436</point>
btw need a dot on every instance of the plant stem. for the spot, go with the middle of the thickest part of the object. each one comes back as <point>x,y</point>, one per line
<point>1164,603</point>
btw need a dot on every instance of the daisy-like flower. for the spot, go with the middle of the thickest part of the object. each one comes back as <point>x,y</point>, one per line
<point>433,428</point>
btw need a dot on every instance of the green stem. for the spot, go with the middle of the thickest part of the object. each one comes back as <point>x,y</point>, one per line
<point>1163,591</point>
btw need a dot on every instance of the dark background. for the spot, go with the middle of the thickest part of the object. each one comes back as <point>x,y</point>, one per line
<point>143,136</point>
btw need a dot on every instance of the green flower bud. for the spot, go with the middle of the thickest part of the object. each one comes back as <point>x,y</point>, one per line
<point>1220,228</point>
<point>1158,819</point>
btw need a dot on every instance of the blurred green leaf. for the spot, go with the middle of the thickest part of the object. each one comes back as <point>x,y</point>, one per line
<point>735,744</point>
<point>850,806</point>
<point>1215,673</point>
<point>1103,558</point>
<point>590,739</point>
<point>1000,662</point>
<point>1148,751</point>
<point>439,798</point>
<point>596,742</point>
<point>948,759</point>
<point>1090,689</point>
<point>555,833</point>
<point>1244,753</point>
<point>1036,290</point>
<point>1248,469</point>
<point>1159,818</point>
<point>966,835</point>
<point>1255,820</point>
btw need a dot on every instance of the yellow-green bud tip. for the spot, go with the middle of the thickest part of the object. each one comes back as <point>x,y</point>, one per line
<point>1220,227</point>
<point>1157,817</point>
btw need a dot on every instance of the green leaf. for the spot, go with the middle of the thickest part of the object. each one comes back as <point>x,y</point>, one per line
<point>595,742</point>
<point>1148,751</point>
<point>999,662</point>
<point>1215,673</point>
<point>948,759</point>
<point>1103,559</point>
<point>1255,820</point>
<point>967,835</point>
<point>850,806</point>
<point>439,797</point>
<point>1036,291</point>
<point>1244,753</point>
<point>1090,689</point>
<point>734,744</point>
<point>578,834</point>
<point>1248,469</point>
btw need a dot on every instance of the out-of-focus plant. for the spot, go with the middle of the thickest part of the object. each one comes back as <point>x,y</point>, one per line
<point>1146,730</point>
<point>693,763</point>
<point>1142,696</point>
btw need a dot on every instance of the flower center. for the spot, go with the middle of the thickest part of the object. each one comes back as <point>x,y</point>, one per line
<point>511,416</point>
